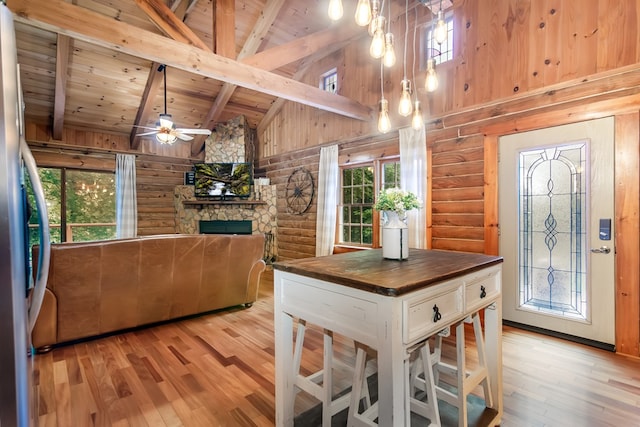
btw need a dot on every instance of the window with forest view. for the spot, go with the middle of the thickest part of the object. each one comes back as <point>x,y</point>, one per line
<point>359,184</point>
<point>81,205</point>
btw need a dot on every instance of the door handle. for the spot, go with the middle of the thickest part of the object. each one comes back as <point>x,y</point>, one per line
<point>601,250</point>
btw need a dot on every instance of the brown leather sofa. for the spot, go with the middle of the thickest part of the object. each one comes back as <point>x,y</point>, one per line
<point>99,287</point>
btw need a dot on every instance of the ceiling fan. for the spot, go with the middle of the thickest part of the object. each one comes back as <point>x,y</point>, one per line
<point>165,130</point>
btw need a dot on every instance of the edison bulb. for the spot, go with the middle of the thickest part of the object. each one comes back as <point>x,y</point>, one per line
<point>377,44</point>
<point>416,118</point>
<point>384,123</point>
<point>335,9</point>
<point>431,82</point>
<point>405,106</point>
<point>389,58</point>
<point>363,12</point>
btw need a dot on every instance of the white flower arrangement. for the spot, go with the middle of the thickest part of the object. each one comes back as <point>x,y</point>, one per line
<point>397,200</point>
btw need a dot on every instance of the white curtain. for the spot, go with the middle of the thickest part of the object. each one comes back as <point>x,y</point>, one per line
<point>413,177</point>
<point>328,183</point>
<point>126,207</point>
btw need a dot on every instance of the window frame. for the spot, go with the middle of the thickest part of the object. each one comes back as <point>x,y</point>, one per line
<point>63,199</point>
<point>376,226</point>
<point>324,78</point>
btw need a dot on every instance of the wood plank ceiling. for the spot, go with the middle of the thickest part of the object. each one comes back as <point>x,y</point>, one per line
<point>93,64</point>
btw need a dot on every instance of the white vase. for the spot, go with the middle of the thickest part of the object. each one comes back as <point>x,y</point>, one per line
<point>395,237</point>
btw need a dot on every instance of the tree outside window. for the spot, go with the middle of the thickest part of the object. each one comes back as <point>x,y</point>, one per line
<point>81,205</point>
<point>359,187</point>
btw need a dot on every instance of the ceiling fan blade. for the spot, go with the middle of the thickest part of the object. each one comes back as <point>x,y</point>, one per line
<point>147,133</point>
<point>144,127</point>
<point>182,136</point>
<point>195,131</point>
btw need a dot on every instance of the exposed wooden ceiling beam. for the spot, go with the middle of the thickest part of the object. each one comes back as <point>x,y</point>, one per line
<point>71,20</point>
<point>224,28</point>
<point>251,46</point>
<point>169,23</point>
<point>278,56</point>
<point>146,104</point>
<point>60,97</point>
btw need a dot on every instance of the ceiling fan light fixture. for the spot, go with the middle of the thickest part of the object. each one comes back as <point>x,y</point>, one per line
<point>165,121</point>
<point>166,138</point>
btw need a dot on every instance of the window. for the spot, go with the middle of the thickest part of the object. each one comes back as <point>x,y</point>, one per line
<point>81,205</point>
<point>440,52</point>
<point>329,81</point>
<point>359,188</point>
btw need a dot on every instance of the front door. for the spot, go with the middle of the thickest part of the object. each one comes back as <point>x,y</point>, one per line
<point>556,215</point>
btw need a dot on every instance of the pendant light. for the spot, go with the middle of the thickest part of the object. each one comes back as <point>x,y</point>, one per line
<point>417,122</point>
<point>431,82</point>
<point>405,106</point>
<point>363,13</point>
<point>389,57</point>
<point>416,118</point>
<point>441,27</point>
<point>335,10</point>
<point>377,42</point>
<point>384,123</point>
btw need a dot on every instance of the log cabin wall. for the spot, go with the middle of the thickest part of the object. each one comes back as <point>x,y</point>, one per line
<point>156,174</point>
<point>519,65</point>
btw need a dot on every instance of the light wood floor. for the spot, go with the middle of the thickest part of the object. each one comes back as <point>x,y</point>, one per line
<point>218,370</point>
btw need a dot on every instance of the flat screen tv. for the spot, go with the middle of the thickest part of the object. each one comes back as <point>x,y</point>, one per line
<point>222,180</point>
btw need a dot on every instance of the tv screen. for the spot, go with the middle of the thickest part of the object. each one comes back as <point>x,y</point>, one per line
<point>221,180</point>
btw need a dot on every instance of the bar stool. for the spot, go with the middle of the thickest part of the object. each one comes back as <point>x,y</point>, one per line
<point>320,383</point>
<point>424,379</point>
<point>415,403</point>
<point>466,380</point>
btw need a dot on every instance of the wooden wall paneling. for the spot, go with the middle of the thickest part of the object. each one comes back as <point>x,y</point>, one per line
<point>579,26</point>
<point>513,41</point>
<point>490,208</point>
<point>627,200</point>
<point>617,33</point>
<point>537,52</point>
<point>457,166</point>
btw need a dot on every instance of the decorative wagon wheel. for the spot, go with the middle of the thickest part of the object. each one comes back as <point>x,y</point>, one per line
<point>299,193</point>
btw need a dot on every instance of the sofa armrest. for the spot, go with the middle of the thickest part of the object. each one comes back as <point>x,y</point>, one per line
<point>253,282</point>
<point>45,330</point>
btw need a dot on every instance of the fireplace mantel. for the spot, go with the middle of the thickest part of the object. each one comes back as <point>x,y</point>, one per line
<point>202,203</point>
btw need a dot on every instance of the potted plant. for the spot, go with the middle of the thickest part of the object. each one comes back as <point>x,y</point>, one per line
<point>394,204</point>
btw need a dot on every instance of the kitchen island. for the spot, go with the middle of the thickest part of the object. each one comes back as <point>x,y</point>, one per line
<point>388,305</point>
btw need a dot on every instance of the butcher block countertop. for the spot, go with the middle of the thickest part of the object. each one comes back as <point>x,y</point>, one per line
<point>369,271</point>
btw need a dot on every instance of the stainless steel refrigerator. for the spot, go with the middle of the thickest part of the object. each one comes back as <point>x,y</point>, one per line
<point>20,296</point>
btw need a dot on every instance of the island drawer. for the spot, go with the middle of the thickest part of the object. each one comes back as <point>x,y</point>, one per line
<point>426,314</point>
<point>481,288</point>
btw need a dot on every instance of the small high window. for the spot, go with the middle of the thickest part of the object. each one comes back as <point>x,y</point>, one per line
<point>329,81</point>
<point>440,52</point>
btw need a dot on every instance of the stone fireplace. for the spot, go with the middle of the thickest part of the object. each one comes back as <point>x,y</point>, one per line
<point>227,144</point>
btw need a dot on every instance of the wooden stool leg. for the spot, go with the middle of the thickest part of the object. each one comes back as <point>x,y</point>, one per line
<point>482,360</point>
<point>327,379</point>
<point>359,378</point>
<point>461,375</point>
<point>297,353</point>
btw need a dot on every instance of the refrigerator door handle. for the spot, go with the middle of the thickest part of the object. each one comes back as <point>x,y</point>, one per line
<point>42,271</point>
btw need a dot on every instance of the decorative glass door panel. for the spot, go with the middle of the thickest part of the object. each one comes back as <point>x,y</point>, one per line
<point>554,187</point>
<point>552,236</point>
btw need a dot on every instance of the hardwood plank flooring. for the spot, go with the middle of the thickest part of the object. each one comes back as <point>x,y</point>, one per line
<point>218,370</point>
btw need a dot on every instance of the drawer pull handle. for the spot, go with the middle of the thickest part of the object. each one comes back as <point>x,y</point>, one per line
<point>436,313</point>
<point>483,292</point>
